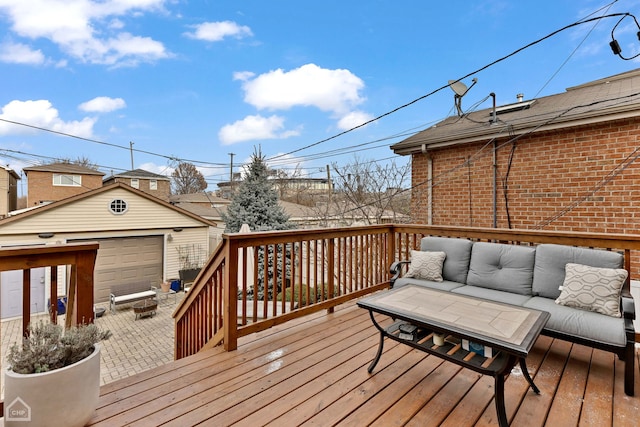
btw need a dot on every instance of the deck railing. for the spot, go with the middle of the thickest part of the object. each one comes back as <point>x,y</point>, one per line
<point>80,257</point>
<point>312,270</point>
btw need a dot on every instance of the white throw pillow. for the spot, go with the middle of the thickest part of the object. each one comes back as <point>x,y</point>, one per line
<point>593,288</point>
<point>426,265</point>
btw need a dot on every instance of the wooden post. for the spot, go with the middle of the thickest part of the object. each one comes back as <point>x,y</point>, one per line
<point>71,318</point>
<point>331,270</point>
<point>26,301</point>
<point>53,295</point>
<point>84,284</point>
<point>230,297</point>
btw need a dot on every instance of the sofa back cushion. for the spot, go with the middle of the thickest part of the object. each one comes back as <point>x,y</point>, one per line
<point>502,267</point>
<point>456,264</point>
<point>549,271</point>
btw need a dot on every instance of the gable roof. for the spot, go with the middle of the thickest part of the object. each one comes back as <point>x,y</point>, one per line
<point>11,171</point>
<point>97,191</point>
<point>138,173</point>
<point>63,168</point>
<point>607,99</point>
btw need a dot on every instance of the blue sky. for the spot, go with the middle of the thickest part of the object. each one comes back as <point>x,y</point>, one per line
<point>198,80</point>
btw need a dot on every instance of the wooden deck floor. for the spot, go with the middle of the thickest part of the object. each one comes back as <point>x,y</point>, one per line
<point>314,372</point>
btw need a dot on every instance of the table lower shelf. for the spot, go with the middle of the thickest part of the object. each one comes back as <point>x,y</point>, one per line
<point>451,350</point>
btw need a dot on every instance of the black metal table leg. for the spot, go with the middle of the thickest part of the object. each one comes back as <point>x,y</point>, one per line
<point>525,372</point>
<point>374,362</point>
<point>500,409</point>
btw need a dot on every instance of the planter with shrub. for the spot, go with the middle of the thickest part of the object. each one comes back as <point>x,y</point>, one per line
<point>54,376</point>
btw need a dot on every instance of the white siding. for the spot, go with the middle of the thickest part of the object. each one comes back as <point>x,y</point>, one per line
<point>92,214</point>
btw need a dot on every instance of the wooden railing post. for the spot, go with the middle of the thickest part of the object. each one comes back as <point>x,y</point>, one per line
<point>230,297</point>
<point>391,246</point>
<point>331,269</point>
<point>53,295</point>
<point>84,282</point>
<point>26,301</point>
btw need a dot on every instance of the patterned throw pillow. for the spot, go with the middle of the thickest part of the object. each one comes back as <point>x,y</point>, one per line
<point>426,265</point>
<point>592,288</point>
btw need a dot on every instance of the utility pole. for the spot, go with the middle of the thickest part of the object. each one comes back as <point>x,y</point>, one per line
<point>131,150</point>
<point>231,171</point>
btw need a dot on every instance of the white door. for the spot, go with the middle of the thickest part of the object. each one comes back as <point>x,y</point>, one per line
<point>11,292</point>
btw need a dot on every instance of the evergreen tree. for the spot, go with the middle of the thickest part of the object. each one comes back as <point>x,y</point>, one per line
<point>256,202</point>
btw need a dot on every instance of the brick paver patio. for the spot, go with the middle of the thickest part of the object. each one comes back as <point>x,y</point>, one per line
<point>135,345</point>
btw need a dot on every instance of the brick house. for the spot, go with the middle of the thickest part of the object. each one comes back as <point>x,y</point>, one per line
<point>563,162</point>
<point>149,182</point>
<point>57,181</point>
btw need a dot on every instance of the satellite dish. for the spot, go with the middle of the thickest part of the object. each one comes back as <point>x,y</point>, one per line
<point>458,87</point>
<point>461,90</point>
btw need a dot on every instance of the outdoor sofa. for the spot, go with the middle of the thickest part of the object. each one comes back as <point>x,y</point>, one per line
<point>586,291</point>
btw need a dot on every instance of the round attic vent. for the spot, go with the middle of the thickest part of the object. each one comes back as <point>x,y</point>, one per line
<point>118,206</point>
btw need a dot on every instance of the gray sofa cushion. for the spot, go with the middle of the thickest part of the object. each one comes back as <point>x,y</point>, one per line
<point>492,294</point>
<point>456,264</point>
<point>445,285</point>
<point>581,323</point>
<point>549,273</point>
<point>502,267</point>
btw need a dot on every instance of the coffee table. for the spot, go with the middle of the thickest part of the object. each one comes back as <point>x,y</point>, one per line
<point>505,330</point>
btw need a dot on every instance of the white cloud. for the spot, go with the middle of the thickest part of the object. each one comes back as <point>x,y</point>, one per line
<point>88,30</point>
<point>337,91</point>
<point>217,31</point>
<point>353,119</point>
<point>18,53</point>
<point>102,104</point>
<point>41,113</point>
<point>255,127</point>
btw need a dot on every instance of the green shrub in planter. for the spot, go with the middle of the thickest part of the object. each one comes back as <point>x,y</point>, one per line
<point>48,348</point>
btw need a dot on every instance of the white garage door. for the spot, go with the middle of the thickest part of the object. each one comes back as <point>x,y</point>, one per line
<point>126,261</point>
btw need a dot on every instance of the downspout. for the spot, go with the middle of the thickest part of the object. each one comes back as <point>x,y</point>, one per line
<point>429,185</point>
<point>495,166</point>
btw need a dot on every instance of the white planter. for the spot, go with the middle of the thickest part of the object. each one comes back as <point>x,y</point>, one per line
<point>63,397</point>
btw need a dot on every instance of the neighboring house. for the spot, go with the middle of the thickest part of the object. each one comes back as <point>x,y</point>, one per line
<point>8,190</point>
<point>57,181</point>
<point>139,236</point>
<point>205,199</point>
<point>149,182</point>
<point>568,161</point>
<point>285,186</point>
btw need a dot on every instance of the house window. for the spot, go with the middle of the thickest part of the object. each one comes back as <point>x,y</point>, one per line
<point>118,206</point>
<point>67,180</point>
<point>135,183</point>
<point>153,184</point>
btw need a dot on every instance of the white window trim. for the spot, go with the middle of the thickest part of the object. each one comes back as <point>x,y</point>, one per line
<point>126,206</point>
<point>76,180</point>
<point>153,184</point>
<point>135,183</point>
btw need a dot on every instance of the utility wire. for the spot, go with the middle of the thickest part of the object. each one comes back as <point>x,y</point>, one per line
<point>584,21</point>
<point>435,181</point>
<point>109,144</point>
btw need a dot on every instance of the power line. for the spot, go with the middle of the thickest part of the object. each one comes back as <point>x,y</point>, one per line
<point>583,21</point>
<point>109,144</point>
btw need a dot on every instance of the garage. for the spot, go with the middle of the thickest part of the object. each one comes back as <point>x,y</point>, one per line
<point>127,260</point>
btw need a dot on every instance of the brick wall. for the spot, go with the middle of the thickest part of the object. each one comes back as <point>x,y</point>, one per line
<point>163,190</point>
<point>572,180</point>
<point>41,188</point>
